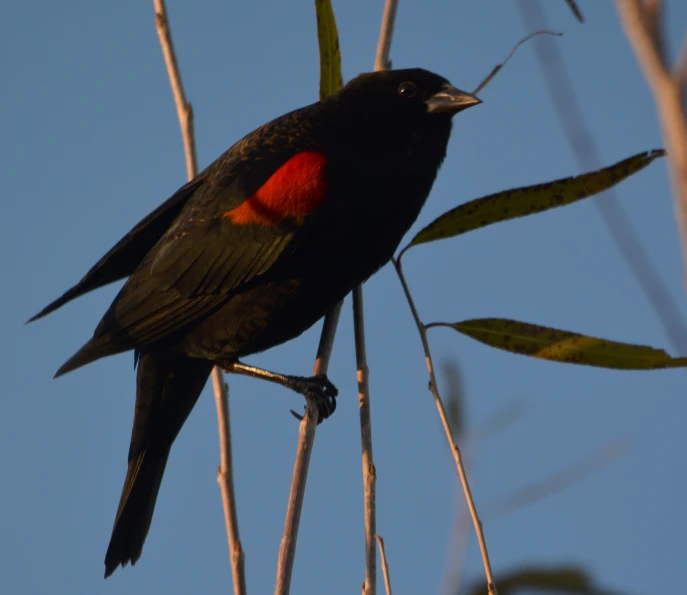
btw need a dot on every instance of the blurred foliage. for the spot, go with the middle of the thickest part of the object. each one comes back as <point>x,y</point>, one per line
<point>562,580</point>
<point>453,397</point>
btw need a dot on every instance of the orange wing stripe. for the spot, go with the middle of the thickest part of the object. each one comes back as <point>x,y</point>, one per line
<point>296,189</point>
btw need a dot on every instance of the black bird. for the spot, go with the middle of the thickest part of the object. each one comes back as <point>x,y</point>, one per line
<point>256,249</point>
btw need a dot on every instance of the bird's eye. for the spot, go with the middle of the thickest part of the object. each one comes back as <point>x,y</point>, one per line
<point>407,89</point>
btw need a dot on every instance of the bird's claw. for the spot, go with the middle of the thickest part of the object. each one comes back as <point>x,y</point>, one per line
<point>317,389</point>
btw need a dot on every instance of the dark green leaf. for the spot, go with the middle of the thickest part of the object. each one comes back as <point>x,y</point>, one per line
<point>566,580</point>
<point>331,79</point>
<point>575,10</point>
<point>529,200</point>
<point>563,346</point>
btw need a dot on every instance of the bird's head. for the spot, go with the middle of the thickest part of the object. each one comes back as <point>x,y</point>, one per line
<point>413,93</point>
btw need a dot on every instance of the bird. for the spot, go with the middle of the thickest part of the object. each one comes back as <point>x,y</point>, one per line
<point>254,251</point>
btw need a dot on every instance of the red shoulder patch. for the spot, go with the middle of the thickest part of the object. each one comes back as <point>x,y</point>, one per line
<point>296,189</point>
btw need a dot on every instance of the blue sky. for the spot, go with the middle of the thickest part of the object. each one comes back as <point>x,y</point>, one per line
<point>92,144</point>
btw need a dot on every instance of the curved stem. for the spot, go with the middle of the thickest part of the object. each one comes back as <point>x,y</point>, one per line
<point>455,450</point>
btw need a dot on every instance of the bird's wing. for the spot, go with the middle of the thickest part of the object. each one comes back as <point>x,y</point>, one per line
<point>226,238</point>
<point>127,254</point>
<point>235,175</point>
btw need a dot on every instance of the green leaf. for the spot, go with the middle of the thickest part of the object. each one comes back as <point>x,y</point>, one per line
<point>563,579</point>
<point>563,346</point>
<point>529,200</point>
<point>331,79</point>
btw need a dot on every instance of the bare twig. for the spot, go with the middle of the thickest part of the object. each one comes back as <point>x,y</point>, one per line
<point>287,548</point>
<point>369,471</point>
<point>225,471</point>
<point>498,67</point>
<point>633,252</point>
<point>386,34</point>
<point>385,565</point>
<point>184,109</point>
<point>382,62</point>
<point>457,456</point>
<point>225,479</point>
<point>306,440</point>
<point>641,22</point>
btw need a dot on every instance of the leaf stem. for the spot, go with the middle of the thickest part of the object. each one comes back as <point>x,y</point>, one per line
<point>455,450</point>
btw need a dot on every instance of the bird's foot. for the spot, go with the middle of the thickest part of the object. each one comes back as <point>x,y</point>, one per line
<point>316,389</point>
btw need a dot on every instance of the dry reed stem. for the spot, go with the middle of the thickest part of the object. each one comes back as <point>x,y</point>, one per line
<point>581,140</point>
<point>369,470</point>
<point>306,440</point>
<point>385,565</point>
<point>382,62</point>
<point>642,26</point>
<point>225,471</point>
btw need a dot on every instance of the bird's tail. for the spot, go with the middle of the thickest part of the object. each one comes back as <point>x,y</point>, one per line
<point>167,387</point>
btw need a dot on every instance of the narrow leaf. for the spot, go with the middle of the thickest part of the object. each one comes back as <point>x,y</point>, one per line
<point>575,10</point>
<point>331,79</point>
<point>529,200</point>
<point>564,580</point>
<point>563,346</point>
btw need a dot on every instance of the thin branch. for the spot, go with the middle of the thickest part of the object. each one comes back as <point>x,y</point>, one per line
<point>184,109</point>
<point>225,479</point>
<point>225,471</point>
<point>385,565</point>
<point>642,28</point>
<point>457,456</point>
<point>306,440</point>
<point>369,471</point>
<point>386,34</point>
<point>581,140</point>
<point>498,67</point>
<point>382,62</point>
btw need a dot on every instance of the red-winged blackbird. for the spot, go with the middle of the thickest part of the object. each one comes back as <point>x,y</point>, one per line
<point>255,250</point>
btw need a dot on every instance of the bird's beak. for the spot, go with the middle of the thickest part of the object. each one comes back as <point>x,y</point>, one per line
<point>450,100</point>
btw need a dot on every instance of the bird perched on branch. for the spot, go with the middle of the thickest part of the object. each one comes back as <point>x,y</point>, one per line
<point>254,251</point>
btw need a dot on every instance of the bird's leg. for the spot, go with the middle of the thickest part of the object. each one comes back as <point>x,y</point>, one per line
<point>314,388</point>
